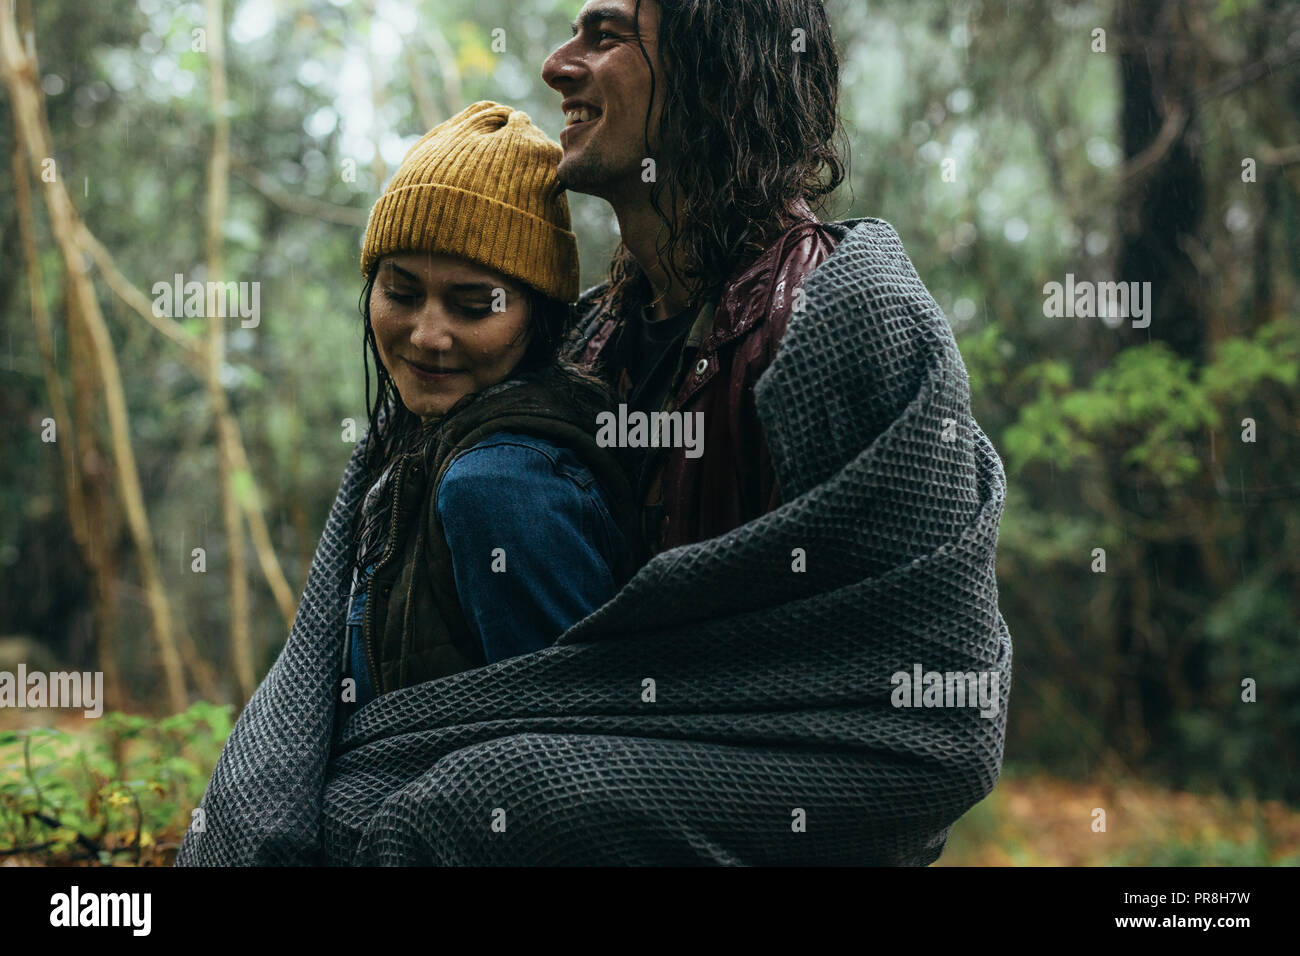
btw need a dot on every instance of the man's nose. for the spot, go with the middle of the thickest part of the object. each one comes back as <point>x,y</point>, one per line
<point>561,67</point>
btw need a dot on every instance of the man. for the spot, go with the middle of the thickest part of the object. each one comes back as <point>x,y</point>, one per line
<point>708,127</point>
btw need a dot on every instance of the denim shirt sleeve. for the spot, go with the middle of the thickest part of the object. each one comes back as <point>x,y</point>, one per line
<point>561,554</point>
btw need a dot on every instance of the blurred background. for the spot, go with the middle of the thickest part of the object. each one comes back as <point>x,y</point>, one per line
<point>164,481</point>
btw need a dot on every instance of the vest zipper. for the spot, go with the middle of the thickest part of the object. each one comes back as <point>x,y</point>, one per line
<point>406,611</point>
<point>367,633</point>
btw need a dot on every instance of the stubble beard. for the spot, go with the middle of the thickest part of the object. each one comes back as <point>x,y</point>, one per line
<point>588,171</point>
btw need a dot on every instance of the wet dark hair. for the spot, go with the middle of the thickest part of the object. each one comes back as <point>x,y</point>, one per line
<point>747,135</point>
<point>394,430</point>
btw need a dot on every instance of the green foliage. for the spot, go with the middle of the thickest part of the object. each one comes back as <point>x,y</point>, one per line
<point>1147,404</point>
<point>1043,539</point>
<point>1176,852</point>
<point>116,793</point>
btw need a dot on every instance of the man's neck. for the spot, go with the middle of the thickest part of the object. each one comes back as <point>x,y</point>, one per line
<point>642,230</point>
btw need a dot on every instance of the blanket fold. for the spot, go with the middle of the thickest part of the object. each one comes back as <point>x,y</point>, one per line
<point>737,701</point>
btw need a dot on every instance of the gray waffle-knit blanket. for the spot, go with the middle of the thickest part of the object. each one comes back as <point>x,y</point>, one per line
<point>738,701</point>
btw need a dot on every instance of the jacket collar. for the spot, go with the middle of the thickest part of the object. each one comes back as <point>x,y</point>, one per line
<point>743,292</point>
<point>766,283</point>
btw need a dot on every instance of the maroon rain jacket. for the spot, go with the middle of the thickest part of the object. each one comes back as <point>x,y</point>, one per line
<point>732,482</point>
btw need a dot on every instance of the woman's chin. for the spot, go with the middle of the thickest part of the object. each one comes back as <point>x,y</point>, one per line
<point>426,406</point>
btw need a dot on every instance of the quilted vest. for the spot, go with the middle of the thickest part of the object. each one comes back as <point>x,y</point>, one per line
<point>414,629</point>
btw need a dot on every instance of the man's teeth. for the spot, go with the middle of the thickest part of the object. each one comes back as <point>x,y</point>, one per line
<point>578,116</point>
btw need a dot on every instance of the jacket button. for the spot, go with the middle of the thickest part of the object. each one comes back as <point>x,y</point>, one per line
<point>701,366</point>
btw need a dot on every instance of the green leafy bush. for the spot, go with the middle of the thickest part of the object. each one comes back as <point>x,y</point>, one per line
<point>120,793</point>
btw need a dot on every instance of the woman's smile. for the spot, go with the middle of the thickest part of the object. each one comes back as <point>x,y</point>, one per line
<point>430,373</point>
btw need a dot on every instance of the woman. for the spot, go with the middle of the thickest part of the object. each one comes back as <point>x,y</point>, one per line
<point>493,521</point>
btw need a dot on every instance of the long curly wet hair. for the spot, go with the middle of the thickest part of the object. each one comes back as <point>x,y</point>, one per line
<point>749,135</point>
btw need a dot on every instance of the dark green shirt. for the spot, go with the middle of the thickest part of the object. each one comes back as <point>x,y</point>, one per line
<point>653,359</point>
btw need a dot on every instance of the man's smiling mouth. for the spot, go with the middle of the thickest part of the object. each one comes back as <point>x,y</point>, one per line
<point>576,113</point>
<point>573,117</point>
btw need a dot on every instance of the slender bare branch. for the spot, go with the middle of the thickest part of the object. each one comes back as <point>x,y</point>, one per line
<point>196,356</point>
<point>1175,121</point>
<point>88,543</point>
<point>20,78</point>
<point>423,91</point>
<point>1284,156</point>
<point>218,186</point>
<point>1277,60</point>
<point>298,205</point>
<point>447,63</point>
<point>133,297</point>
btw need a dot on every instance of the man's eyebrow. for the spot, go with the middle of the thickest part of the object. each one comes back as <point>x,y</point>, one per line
<point>591,17</point>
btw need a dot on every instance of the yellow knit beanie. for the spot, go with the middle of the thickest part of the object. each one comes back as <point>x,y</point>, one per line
<point>483,186</point>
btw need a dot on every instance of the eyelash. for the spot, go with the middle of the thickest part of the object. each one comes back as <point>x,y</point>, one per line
<point>601,34</point>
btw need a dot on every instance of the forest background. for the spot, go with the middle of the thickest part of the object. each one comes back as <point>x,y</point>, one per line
<point>164,480</point>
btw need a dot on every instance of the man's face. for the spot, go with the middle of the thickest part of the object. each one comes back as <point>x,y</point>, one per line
<point>606,87</point>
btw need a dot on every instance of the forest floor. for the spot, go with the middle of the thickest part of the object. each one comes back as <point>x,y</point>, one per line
<point>1030,818</point>
<point>1038,820</point>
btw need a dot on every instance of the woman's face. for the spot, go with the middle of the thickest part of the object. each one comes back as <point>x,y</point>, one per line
<point>445,327</point>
